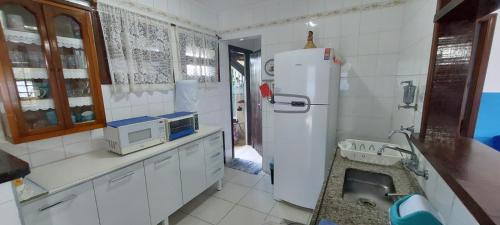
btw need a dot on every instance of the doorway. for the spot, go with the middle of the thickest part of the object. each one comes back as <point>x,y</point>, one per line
<point>246,112</point>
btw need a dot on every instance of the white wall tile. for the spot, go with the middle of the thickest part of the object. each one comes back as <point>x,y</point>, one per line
<point>6,192</point>
<point>45,144</point>
<point>77,137</point>
<point>350,24</point>
<point>47,156</point>
<point>368,44</point>
<point>460,215</point>
<point>78,148</point>
<point>10,213</point>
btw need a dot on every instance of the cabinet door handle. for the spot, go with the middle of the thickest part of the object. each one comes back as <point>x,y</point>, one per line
<point>122,177</point>
<point>69,198</point>
<point>163,160</point>
<point>215,155</point>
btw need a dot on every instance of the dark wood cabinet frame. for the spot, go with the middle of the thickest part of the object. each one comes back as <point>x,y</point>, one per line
<point>44,11</point>
<point>469,167</point>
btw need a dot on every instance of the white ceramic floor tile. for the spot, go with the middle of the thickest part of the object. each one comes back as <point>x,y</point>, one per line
<point>272,220</point>
<point>180,218</point>
<point>232,192</point>
<point>292,213</point>
<point>230,173</point>
<point>195,203</point>
<point>258,200</point>
<point>246,179</point>
<point>265,184</point>
<point>243,216</point>
<point>212,210</point>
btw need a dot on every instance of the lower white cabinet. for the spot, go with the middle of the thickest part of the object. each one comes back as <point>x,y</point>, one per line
<point>192,164</point>
<point>75,206</point>
<point>163,179</point>
<point>144,193</point>
<point>122,198</point>
<point>214,158</point>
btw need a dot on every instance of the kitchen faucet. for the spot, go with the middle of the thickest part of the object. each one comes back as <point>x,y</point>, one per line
<point>412,163</point>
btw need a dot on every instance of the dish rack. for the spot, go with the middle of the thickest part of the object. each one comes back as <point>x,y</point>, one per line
<point>366,151</point>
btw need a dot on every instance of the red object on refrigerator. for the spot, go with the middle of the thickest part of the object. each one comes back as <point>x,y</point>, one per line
<point>265,91</point>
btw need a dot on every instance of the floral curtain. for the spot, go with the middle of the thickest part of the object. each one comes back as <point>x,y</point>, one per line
<point>198,55</point>
<point>139,50</point>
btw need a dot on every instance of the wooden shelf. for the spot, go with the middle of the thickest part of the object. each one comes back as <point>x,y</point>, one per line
<point>46,104</point>
<point>470,168</point>
<point>26,37</point>
<point>27,73</point>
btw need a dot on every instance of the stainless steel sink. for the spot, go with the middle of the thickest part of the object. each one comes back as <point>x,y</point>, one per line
<point>368,188</point>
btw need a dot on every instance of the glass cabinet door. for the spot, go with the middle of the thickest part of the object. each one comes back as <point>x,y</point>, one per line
<point>69,29</point>
<point>38,108</point>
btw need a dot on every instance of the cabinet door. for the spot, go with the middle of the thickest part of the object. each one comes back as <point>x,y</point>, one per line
<point>163,179</point>
<point>192,159</point>
<point>76,206</point>
<point>121,197</point>
<point>75,59</point>
<point>28,85</point>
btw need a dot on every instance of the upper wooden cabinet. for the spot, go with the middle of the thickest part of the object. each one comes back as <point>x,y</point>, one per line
<point>49,71</point>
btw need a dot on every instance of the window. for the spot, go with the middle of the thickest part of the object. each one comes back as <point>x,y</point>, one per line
<point>25,88</point>
<point>197,55</point>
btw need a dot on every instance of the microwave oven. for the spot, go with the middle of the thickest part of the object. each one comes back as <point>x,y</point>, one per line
<point>180,124</point>
<point>134,134</point>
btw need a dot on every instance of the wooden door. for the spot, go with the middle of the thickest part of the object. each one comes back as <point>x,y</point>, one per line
<point>28,86</point>
<point>74,56</point>
<point>256,102</point>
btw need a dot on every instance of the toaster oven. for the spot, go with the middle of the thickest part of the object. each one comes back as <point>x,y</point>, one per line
<point>180,124</point>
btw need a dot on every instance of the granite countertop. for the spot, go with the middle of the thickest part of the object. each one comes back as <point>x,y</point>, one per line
<point>66,173</point>
<point>333,207</point>
<point>11,167</point>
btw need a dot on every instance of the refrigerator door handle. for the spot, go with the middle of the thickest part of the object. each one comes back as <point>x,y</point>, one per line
<point>306,104</point>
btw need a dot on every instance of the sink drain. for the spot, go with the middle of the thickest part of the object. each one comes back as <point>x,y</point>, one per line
<point>367,203</point>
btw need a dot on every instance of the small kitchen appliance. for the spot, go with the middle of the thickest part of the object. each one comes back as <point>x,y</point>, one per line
<point>180,124</point>
<point>134,134</point>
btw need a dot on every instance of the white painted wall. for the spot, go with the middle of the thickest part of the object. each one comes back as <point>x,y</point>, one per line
<point>492,82</point>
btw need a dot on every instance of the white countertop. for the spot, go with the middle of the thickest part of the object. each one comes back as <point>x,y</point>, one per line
<point>64,174</point>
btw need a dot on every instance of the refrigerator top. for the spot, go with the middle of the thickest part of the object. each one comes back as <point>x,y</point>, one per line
<point>307,72</point>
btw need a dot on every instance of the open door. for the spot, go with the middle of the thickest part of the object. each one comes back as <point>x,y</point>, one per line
<point>256,101</point>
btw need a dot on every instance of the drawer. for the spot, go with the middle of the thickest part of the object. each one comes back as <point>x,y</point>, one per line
<point>214,158</point>
<point>213,141</point>
<point>214,174</point>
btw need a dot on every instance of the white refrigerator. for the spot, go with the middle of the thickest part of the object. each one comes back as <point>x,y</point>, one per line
<point>305,120</point>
